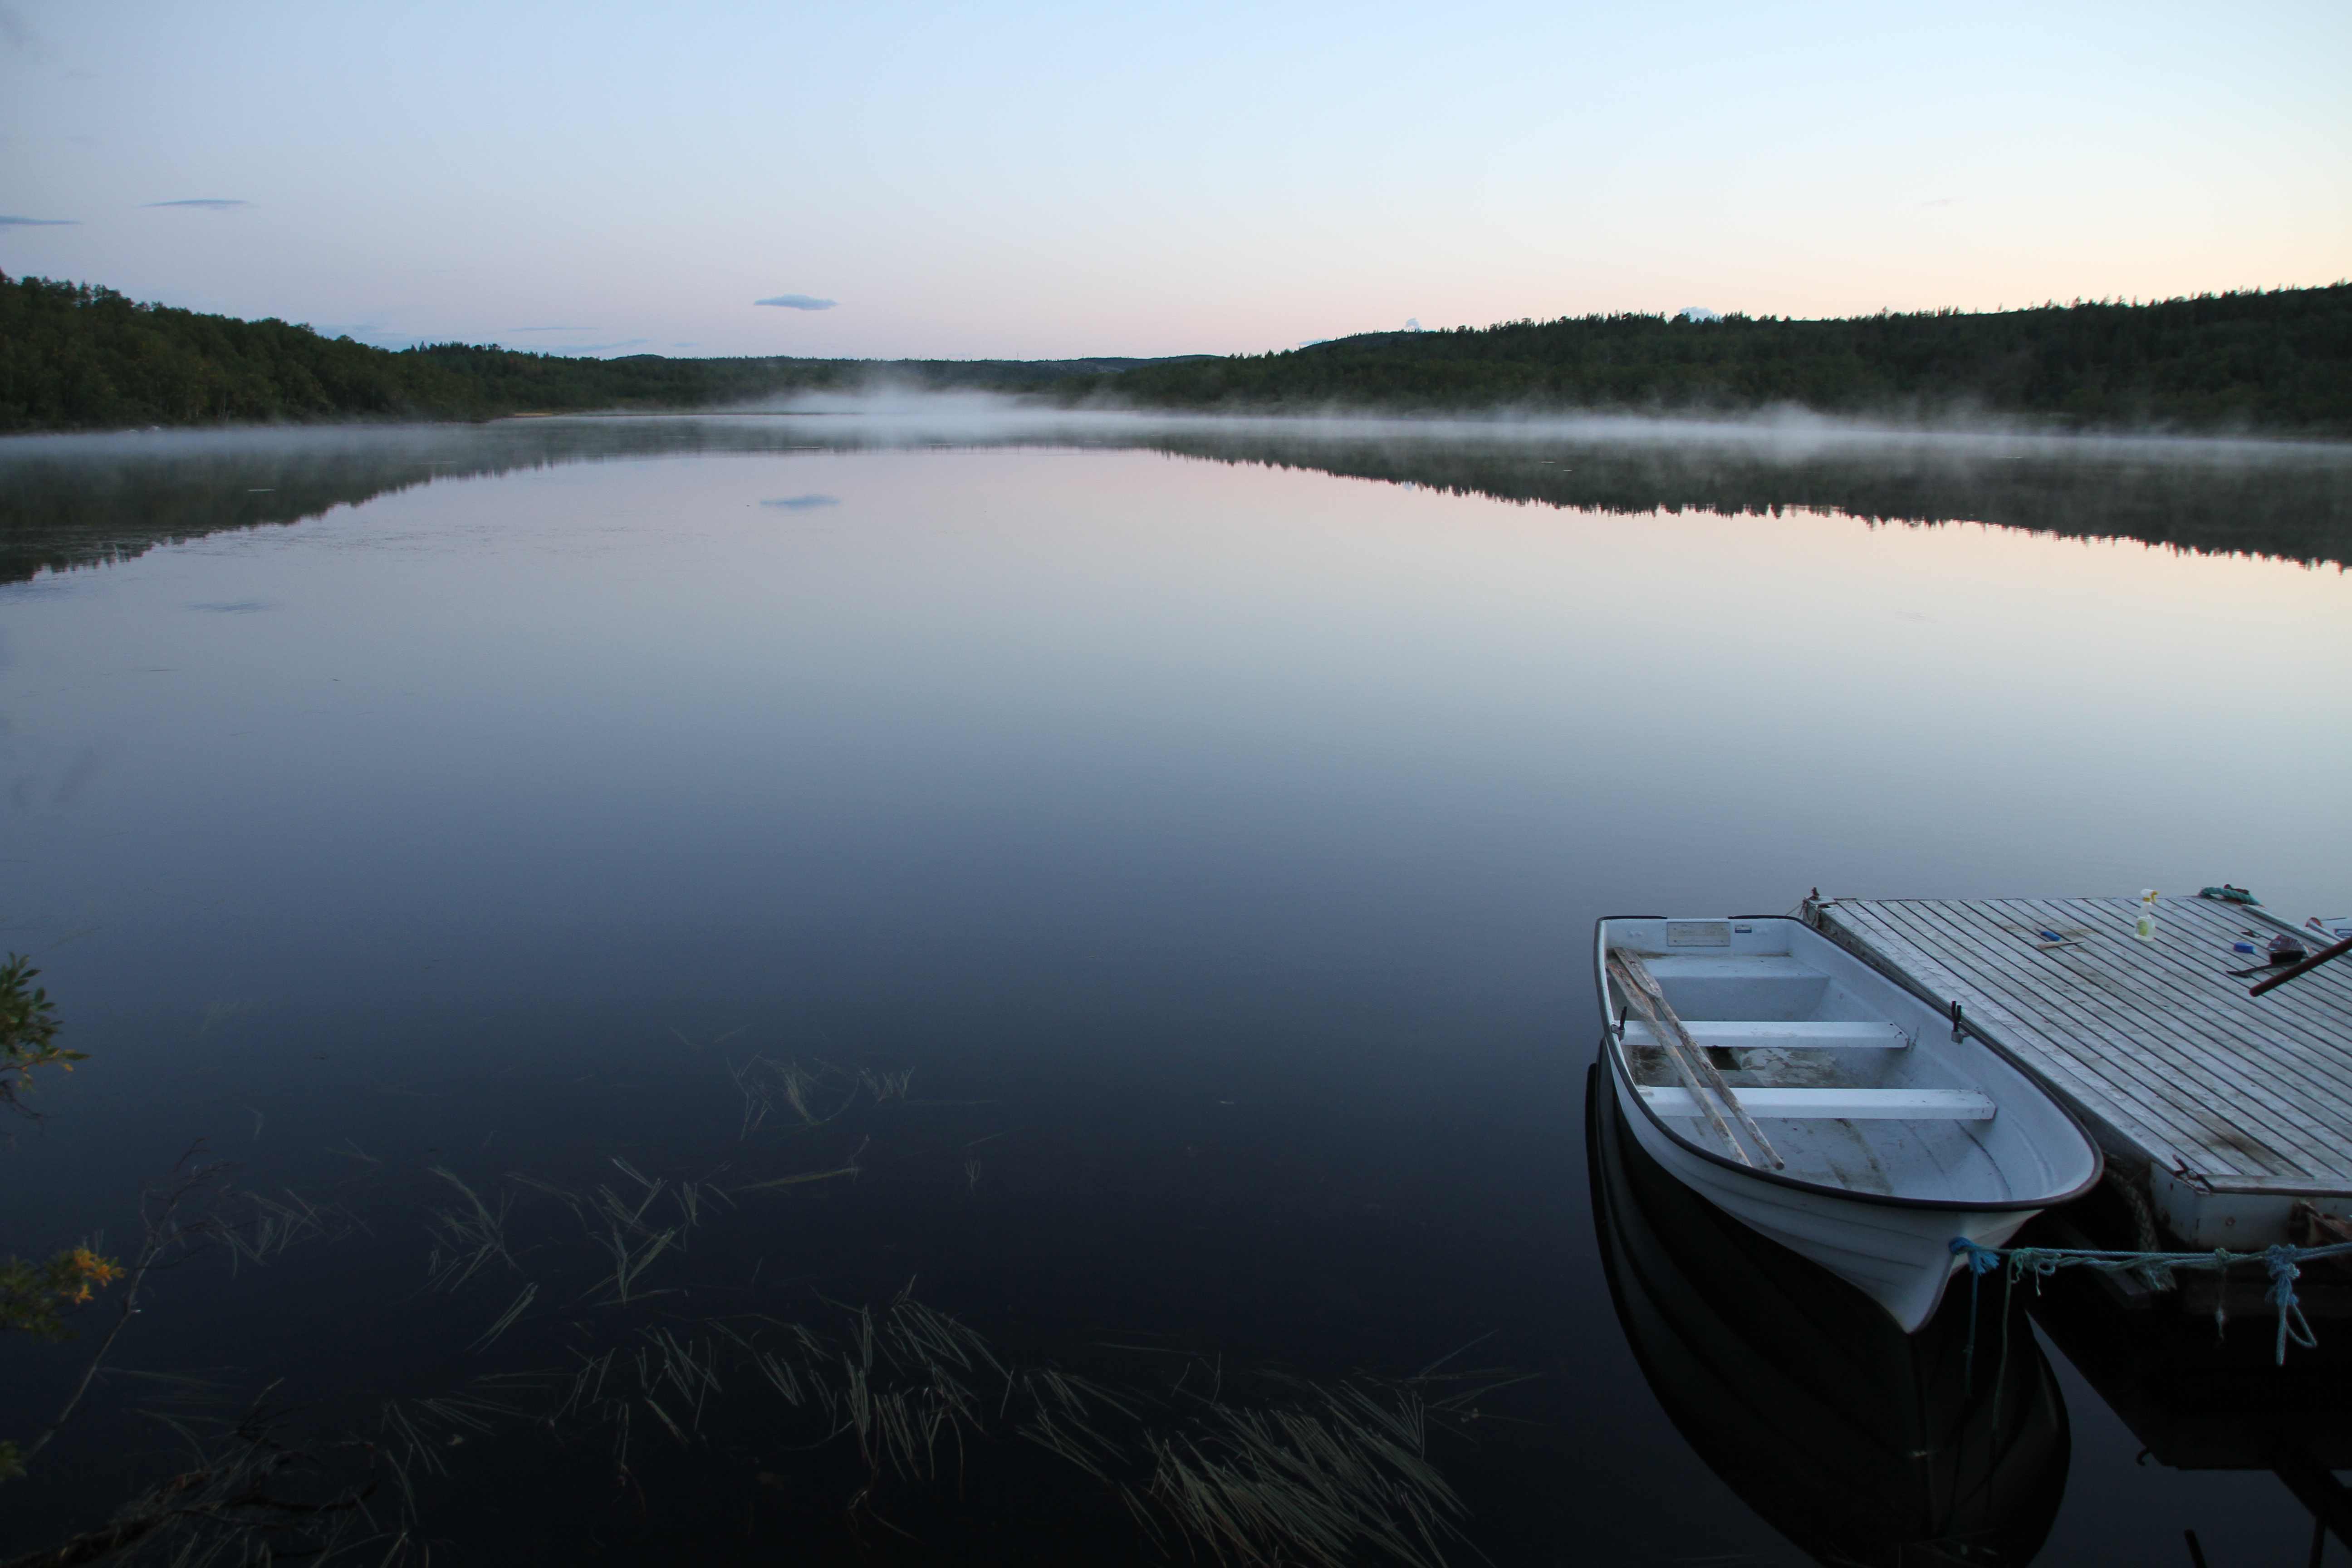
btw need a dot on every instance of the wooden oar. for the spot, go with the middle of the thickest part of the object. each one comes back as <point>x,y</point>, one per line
<point>1641,987</point>
<point>1691,1077</point>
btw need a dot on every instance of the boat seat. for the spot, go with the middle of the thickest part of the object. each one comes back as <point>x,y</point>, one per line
<point>1740,986</point>
<point>1852,1104</point>
<point>1876,1035</point>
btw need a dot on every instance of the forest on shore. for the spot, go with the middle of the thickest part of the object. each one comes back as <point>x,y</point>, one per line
<point>75,356</point>
<point>78,357</point>
<point>2276,362</point>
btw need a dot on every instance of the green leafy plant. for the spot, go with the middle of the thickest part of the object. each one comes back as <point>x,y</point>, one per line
<point>28,1034</point>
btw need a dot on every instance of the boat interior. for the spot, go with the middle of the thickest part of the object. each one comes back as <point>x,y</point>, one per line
<point>1848,1080</point>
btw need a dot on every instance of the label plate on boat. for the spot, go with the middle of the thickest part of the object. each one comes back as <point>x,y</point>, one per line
<point>1698,933</point>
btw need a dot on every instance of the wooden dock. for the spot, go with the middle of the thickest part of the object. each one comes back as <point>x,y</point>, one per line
<point>2225,1111</point>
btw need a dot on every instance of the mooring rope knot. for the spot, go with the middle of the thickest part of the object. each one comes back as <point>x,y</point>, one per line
<point>2292,1323</point>
<point>1982,1259</point>
<point>2038,1261</point>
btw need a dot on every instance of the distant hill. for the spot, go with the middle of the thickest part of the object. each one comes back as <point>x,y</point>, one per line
<point>77,357</point>
<point>2275,361</point>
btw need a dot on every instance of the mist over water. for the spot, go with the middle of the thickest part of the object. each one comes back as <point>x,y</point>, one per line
<point>1123,886</point>
<point>71,499</point>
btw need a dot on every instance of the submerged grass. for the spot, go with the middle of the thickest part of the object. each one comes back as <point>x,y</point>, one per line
<point>1281,1470</point>
<point>1314,1474</point>
<point>814,1096</point>
<point>271,1225</point>
<point>466,1239</point>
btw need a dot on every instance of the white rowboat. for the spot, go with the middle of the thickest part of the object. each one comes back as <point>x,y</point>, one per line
<point>1822,1104</point>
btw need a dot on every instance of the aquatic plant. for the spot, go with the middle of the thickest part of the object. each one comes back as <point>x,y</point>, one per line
<point>28,1034</point>
<point>473,1236</point>
<point>597,1334</point>
<point>814,1095</point>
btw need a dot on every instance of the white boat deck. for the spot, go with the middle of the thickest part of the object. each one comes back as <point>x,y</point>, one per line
<point>2233,1105</point>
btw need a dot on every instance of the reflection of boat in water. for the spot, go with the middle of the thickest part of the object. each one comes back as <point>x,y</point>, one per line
<point>1860,1444</point>
<point>1820,1102</point>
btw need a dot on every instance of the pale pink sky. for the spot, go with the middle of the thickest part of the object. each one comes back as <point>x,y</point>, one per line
<point>1047,180</point>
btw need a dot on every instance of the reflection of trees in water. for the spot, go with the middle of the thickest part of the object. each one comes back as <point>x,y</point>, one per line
<point>2294,503</point>
<point>78,503</point>
<point>67,503</point>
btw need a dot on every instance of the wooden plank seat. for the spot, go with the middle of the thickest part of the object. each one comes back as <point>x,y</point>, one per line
<point>1851,1104</point>
<point>1802,1035</point>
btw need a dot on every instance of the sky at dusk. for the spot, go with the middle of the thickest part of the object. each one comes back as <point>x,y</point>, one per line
<point>1045,181</point>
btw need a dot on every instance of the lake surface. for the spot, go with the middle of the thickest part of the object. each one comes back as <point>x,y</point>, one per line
<point>921,987</point>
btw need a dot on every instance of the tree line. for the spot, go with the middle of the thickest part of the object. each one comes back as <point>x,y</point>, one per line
<point>2277,361</point>
<point>76,356</point>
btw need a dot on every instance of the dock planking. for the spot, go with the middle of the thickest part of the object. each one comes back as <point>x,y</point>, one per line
<point>2228,1109</point>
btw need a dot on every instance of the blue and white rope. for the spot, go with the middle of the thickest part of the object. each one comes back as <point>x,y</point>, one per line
<point>2283,1264</point>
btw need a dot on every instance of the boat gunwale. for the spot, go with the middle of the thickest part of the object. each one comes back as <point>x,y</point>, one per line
<point>1622,1080</point>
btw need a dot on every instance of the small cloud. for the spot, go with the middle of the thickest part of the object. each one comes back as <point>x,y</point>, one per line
<point>686,345</point>
<point>210,203</point>
<point>1698,313</point>
<point>239,607</point>
<point>9,220</point>
<point>797,302</point>
<point>13,31</point>
<point>550,328</point>
<point>1412,323</point>
<point>802,503</point>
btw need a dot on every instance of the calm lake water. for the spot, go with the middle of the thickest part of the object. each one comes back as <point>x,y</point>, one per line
<point>918,988</point>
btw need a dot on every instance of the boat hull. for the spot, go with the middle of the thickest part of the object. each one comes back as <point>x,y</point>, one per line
<point>1898,1254</point>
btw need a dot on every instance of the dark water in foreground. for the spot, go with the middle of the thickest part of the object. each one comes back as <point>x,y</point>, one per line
<point>878,990</point>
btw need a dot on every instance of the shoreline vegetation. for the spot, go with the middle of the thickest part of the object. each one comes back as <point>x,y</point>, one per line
<point>79,357</point>
<point>2268,363</point>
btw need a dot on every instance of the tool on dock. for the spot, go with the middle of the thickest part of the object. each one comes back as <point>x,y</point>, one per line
<point>2306,967</point>
<point>2282,950</point>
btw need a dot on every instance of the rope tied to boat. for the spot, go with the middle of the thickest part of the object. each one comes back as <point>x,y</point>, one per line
<point>2292,1323</point>
<point>2283,1263</point>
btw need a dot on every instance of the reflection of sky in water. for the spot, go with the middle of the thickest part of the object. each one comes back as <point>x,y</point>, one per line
<point>1109,785</point>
